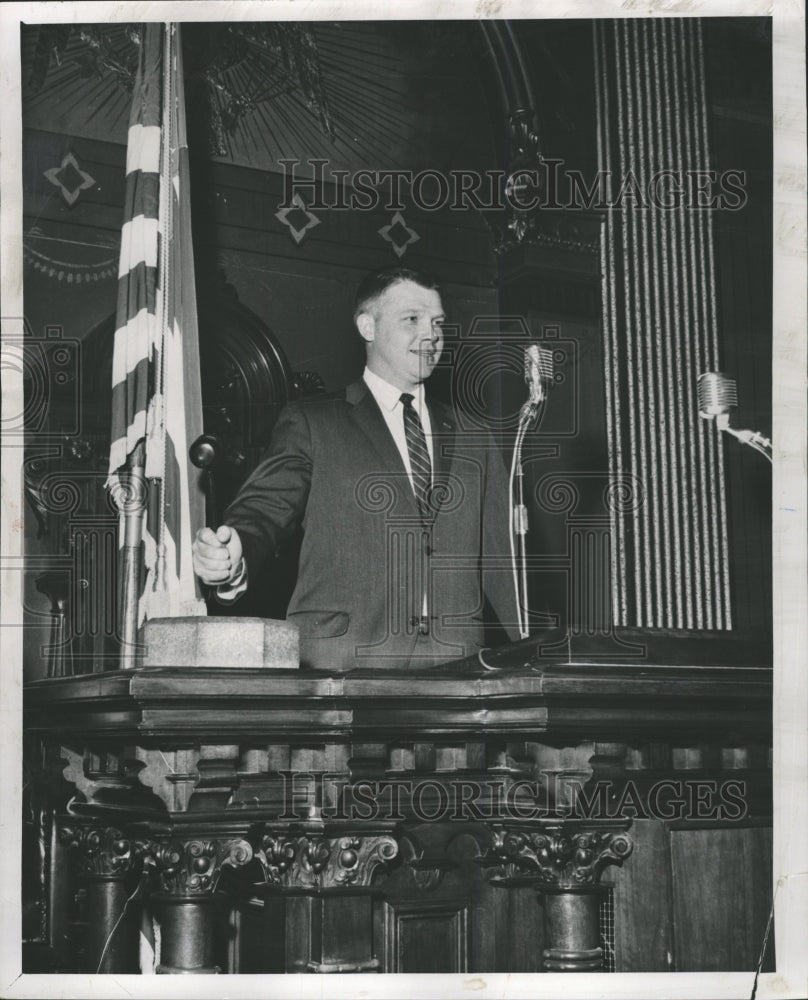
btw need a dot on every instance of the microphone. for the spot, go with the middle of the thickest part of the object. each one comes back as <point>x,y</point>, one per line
<point>538,372</point>
<point>717,395</point>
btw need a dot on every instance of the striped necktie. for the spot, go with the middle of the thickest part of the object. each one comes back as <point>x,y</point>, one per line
<point>419,456</point>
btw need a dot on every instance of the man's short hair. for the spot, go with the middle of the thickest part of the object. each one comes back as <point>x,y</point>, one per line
<point>373,284</point>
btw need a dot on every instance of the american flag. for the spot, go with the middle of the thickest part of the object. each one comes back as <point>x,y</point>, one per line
<point>156,390</point>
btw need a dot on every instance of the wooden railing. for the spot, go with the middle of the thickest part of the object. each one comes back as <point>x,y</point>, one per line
<point>289,820</point>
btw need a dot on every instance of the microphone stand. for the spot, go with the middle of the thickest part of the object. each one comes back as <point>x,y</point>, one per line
<point>519,521</point>
<point>538,373</point>
<point>754,439</point>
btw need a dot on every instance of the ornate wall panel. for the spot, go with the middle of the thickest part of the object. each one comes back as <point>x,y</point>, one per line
<point>670,560</point>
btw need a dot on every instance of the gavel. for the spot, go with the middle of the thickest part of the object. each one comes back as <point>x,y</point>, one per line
<point>205,453</point>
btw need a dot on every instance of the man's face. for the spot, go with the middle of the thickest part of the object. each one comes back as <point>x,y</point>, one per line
<point>403,332</point>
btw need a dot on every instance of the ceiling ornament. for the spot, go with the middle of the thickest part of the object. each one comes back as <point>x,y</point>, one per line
<point>296,212</point>
<point>91,261</point>
<point>70,178</point>
<point>399,235</point>
<point>242,68</point>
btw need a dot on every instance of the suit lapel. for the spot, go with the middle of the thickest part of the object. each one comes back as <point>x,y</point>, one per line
<point>367,416</point>
<point>443,436</point>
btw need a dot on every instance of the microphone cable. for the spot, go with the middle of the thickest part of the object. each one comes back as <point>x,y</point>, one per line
<point>136,894</point>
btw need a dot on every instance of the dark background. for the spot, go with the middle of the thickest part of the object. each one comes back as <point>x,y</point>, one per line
<point>389,95</point>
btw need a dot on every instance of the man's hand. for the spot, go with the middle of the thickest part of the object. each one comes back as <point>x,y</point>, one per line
<point>217,555</point>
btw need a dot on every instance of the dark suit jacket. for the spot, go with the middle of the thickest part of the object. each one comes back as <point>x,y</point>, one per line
<point>365,558</point>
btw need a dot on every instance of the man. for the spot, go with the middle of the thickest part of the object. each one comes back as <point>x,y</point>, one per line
<point>404,522</point>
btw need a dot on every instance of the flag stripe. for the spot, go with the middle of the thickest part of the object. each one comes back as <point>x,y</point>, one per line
<point>134,386</point>
<point>137,282</point>
<point>159,405</point>
<point>142,195</point>
<point>143,148</point>
<point>137,295</point>
<point>138,244</point>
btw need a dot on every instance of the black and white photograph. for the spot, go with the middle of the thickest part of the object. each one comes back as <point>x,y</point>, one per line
<point>404,499</point>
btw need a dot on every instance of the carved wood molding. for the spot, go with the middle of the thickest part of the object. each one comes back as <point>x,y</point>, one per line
<point>560,854</point>
<point>321,862</point>
<point>526,694</point>
<point>104,850</point>
<point>193,866</point>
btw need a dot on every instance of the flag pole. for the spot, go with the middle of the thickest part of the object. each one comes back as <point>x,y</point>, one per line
<point>156,385</point>
<point>131,501</point>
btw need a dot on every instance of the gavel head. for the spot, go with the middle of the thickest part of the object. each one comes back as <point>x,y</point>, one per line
<point>204,452</point>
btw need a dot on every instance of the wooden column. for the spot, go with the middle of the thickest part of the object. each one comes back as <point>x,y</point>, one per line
<point>319,896</point>
<point>571,924</point>
<point>110,862</point>
<point>188,872</point>
<point>563,859</point>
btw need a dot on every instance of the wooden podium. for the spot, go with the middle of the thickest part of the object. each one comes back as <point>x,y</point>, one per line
<point>546,806</point>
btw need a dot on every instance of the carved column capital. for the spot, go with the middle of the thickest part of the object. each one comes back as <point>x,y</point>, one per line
<point>103,850</point>
<point>322,862</point>
<point>556,854</point>
<point>192,867</point>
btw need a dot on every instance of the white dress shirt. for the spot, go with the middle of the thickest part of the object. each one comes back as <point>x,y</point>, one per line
<point>389,400</point>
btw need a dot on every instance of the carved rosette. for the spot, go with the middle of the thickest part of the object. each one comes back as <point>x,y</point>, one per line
<point>324,862</point>
<point>190,867</point>
<point>556,857</point>
<point>103,851</point>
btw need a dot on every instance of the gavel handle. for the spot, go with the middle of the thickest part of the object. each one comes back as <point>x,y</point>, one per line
<point>203,454</point>
<point>211,507</point>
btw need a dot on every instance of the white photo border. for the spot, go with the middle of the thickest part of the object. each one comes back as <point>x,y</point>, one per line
<point>790,518</point>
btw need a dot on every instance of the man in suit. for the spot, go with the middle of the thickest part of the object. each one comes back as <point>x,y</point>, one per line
<point>404,517</point>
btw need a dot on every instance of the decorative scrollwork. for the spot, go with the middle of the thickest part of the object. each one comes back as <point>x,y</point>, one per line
<point>556,856</point>
<point>324,862</point>
<point>194,866</point>
<point>104,850</point>
<point>315,856</point>
<point>277,857</point>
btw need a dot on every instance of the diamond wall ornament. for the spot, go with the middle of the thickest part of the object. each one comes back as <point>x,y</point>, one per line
<point>399,235</point>
<point>294,214</point>
<point>70,178</point>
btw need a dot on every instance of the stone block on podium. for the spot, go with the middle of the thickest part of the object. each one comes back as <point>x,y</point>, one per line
<point>219,642</point>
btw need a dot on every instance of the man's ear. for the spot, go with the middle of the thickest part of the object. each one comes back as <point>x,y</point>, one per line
<point>366,326</point>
